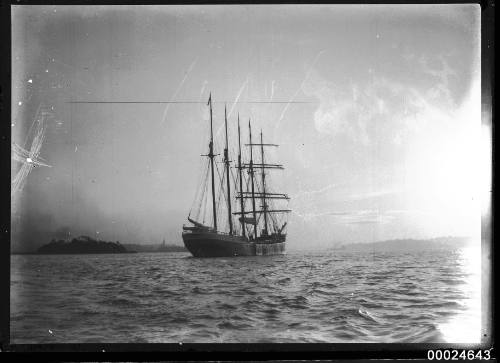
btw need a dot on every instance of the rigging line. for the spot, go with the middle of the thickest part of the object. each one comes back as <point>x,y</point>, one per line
<point>248,226</point>
<point>205,180</point>
<point>235,187</point>
<point>221,190</point>
<point>205,191</point>
<point>202,188</point>
<point>204,199</point>
<point>235,179</point>
<point>195,199</point>
<point>224,193</point>
<point>206,185</point>
<point>201,178</point>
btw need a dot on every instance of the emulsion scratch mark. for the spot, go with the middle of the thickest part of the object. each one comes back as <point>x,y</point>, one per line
<point>201,108</point>
<point>30,158</point>
<point>245,84</point>
<point>186,74</point>
<point>272,95</point>
<point>308,216</point>
<point>203,88</point>
<point>308,73</point>
<point>238,96</point>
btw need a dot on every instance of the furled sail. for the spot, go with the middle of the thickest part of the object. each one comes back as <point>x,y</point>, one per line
<point>197,224</point>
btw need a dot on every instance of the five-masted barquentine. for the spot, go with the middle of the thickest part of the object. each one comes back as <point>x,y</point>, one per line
<point>260,231</point>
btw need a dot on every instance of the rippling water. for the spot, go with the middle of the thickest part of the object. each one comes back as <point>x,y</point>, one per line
<point>431,296</point>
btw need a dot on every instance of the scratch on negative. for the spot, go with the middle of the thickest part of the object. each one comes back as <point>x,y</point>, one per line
<point>298,89</point>
<point>178,89</point>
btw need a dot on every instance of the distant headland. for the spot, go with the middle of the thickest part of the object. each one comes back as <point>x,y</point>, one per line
<point>88,245</point>
<point>407,245</point>
<point>81,245</point>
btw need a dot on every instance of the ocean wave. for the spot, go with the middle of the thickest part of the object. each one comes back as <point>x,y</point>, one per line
<point>296,298</point>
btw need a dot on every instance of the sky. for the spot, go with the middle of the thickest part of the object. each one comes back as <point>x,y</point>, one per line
<point>384,141</point>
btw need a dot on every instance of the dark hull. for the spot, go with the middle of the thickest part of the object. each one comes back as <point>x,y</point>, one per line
<point>212,244</point>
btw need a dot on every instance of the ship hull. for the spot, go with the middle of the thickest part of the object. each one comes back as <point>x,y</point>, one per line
<point>212,244</point>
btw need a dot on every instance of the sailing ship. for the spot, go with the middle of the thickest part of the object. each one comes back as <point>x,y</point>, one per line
<point>259,231</point>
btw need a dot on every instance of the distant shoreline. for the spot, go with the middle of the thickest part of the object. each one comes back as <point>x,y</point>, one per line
<point>407,245</point>
<point>85,245</point>
<point>92,253</point>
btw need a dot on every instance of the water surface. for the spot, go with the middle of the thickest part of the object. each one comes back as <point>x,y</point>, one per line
<point>331,296</point>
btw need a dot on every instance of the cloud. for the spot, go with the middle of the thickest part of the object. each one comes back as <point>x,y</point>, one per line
<point>374,194</point>
<point>383,109</point>
<point>364,217</point>
<point>369,216</point>
<point>310,193</point>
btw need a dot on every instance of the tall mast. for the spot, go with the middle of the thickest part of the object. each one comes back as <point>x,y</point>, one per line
<point>264,205</point>
<point>253,188</point>
<point>263,195</point>
<point>241,180</point>
<point>226,160</point>
<point>211,156</point>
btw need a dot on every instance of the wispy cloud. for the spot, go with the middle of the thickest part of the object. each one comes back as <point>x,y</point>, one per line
<point>368,216</point>
<point>364,217</point>
<point>314,192</point>
<point>374,194</point>
<point>382,106</point>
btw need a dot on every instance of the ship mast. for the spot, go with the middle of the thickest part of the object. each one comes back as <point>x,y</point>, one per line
<point>264,205</point>
<point>241,180</point>
<point>226,160</point>
<point>253,188</point>
<point>264,195</point>
<point>211,156</point>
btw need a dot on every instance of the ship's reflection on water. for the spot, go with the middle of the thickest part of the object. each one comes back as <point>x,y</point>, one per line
<point>331,296</point>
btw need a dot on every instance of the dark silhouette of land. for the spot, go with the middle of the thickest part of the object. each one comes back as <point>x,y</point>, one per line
<point>88,245</point>
<point>82,245</point>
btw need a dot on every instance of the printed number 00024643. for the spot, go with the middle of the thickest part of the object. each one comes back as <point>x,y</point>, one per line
<point>454,354</point>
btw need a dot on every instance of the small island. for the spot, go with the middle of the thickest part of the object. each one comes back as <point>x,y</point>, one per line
<point>82,245</point>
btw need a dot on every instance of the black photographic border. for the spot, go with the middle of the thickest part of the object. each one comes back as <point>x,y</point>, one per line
<point>236,351</point>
